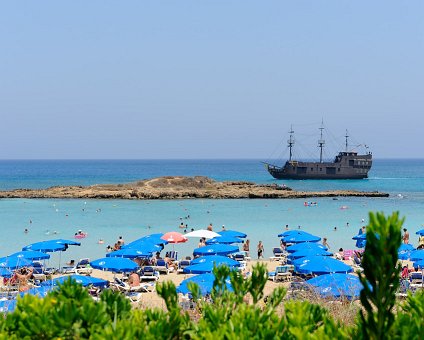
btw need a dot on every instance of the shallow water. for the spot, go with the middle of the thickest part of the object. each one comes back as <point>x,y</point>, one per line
<point>260,219</point>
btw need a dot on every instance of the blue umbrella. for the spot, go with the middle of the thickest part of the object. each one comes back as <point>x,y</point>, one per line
<point>308,253</point>
<point>417,255</point>
<point>204,281</point>
<point>6,272</point>
<point>206,267</point>
<point>321,265</point>
<point>287,233</point>
<point>232,233</point>
<point>67,242</point>
<point>39,291</point>
<point>419,263</point>
<point>13,262</point>
<point>300,236</point>
<point>360,237</point>
<point>337,285</point>
<point>81,279</point>
<point>305,245</point>
<point>46,246</point>
<point>31,255</point>
<point>153,239</point>
<point>114,264</point>
<point>420,232</point>
<point>215,259</point>
<point>225,239</point>
<point>215,249</point>
<point>131,253</point>
<point>404,251</point>
<point>7,306</point>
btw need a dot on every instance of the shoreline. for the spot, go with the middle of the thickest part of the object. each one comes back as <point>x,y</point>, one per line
<point>181,187</point>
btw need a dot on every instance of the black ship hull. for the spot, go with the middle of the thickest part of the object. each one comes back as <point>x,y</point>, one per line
<point>347,165</point>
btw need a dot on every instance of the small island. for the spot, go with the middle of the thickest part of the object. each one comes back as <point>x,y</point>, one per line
<point>180,187</point>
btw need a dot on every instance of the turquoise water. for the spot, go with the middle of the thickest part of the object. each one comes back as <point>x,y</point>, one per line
<point>260,219</point>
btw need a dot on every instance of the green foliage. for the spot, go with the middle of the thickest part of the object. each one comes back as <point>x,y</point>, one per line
<point>70,312</point>
<point>381,274</point>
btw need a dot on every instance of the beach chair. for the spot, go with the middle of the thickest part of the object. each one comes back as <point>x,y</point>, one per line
<point>82,268</point>
<point>347,254</point>
<point>173,255</point>
<point>182,264</point>
<point>38,273</point>
<point>279,254</point>
<point>124,287</point>
<point>149,273</point>
<point>282,273</point>
<point>162,266</point>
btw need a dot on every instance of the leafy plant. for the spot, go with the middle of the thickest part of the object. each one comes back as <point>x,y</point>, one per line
<point>380,277</point>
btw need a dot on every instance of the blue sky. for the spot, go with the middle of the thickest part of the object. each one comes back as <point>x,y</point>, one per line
<point>207,79</point>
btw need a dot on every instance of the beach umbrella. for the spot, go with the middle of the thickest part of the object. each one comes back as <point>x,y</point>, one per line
<point>114,264</point>
<point>287,233</point>
<point>300,236</point>
<point>337,285</point>
<point>232,233</point>
<point>132,253</point>
<point>202,233</point>
<point>45,247</point>
<point>6,272</point>
<point>14,262</point>
<point>360,237</point>
<point>305,245</point>
<point>417,255</point>
<point>67,242</point>
<point>204,281</point>
<point>321,265</point>
<point>218,259</point>
<point>224,240</point>
<point>152,239</point>
<point>174,237</point>
<point>206,267</point>
<point>80,279</point>
<point>420,232</point>
<point>7,306</point>
<point>404,251</point>
<point>39,291</point>
<point>419,263</point>
<point>31,255</point>
<point>215,249</point>
<point>308,253</point>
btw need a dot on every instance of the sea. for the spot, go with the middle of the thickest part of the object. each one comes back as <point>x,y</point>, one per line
<point>337,219</point>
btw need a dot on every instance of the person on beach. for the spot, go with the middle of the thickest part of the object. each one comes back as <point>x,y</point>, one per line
<point>340,254</point>
<point>282,245</point>
<point>420,242</point>
<point>121,241</point>
<point>202,243</point>
<point>325,243</point>
<point>209,227</point>
<point>246,247</point>
<point>22,276</point>
<point>260,250</point>
<point>405,236</point>
<point>134,279</point>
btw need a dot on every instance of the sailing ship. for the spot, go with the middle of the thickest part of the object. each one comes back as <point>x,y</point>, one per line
<point>346,165</point>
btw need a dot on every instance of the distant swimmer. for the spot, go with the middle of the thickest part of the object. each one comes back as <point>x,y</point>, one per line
<point>335,229</point>
<point>287,227</point>
<point>26,231</point>
<point>182,225</point>
<point>101,241</point>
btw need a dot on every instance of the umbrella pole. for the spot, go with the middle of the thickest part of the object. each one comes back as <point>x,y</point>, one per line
<point>60,258</point>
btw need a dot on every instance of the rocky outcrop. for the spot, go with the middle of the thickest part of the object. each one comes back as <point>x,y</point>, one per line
<point>179,187</point>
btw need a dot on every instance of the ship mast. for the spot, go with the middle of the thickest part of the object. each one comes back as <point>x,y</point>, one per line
<point>321,142</point>
<point>290,142</point>
<point>346,136</point>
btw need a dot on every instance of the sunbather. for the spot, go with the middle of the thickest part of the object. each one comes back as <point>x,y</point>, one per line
<point>23,275</point>
<point>134,279</point>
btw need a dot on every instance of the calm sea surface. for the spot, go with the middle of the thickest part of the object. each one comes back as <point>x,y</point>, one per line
<point>260,219</point>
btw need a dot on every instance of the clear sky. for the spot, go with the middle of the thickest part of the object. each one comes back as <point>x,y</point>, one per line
<point>207,79</point>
